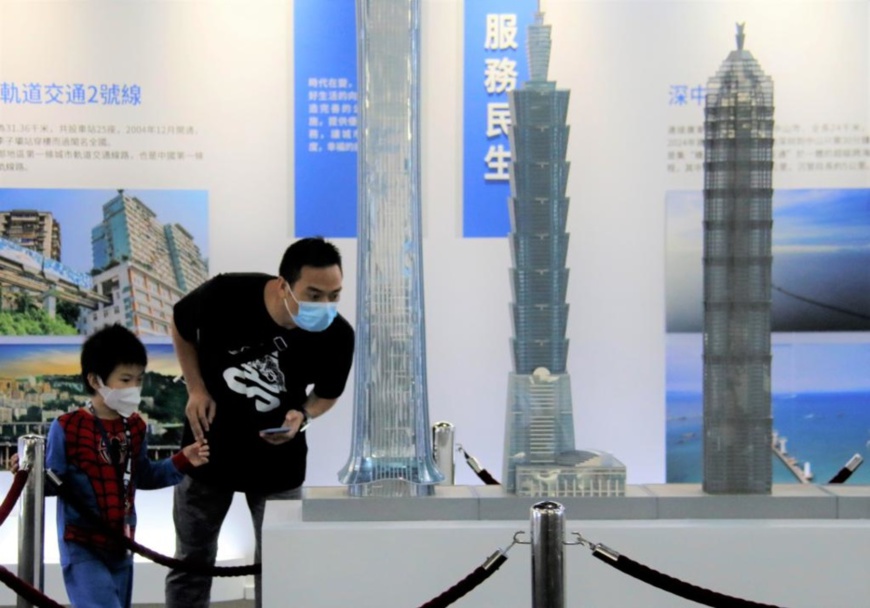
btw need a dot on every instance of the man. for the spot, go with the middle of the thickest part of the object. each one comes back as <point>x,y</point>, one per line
<point>249,346</point>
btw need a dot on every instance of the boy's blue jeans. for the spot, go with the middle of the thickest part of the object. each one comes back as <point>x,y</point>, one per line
<point>95,584</point>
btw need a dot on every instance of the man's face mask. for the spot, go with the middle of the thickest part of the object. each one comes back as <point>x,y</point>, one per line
<point>313,316</point>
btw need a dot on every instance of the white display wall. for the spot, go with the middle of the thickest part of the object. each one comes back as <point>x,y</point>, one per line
<point>224,68</point>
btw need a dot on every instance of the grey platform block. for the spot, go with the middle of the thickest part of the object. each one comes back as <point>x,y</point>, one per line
<point>638,503</point>
<point>641,502</point>
<point>853,502</point>
<point>787,501</point>
<point>334,504</point>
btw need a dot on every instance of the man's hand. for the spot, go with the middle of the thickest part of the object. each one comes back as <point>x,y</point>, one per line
<point>197,453</point>
<point>13,464</point>
<point>292,421</point>
<point>200,411</point>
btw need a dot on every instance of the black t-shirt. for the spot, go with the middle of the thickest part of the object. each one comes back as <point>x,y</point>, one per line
<point>226,316</point>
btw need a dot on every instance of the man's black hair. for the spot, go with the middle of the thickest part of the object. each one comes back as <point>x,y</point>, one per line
<point>108,348</point>
<point>312,251</point>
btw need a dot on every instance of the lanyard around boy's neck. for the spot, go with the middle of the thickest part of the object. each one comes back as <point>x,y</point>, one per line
<point>125,474</point>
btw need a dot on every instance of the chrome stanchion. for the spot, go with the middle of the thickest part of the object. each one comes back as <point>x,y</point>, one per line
<point>31,518</point>
<point>442,450</point>
<point>548,555</point>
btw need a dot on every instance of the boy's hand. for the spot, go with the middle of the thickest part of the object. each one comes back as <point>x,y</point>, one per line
<point>197,453</point>
<point>13,464</point>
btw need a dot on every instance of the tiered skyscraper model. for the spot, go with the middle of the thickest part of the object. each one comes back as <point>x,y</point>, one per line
<point>539,456</point>
<point>391,451</point>
<point>738,222</point>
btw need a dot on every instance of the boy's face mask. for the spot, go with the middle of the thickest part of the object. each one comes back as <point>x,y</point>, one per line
<point>125,401</point>
<point>313,316</point>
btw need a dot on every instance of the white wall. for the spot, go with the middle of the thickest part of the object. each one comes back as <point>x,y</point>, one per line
<point>618,59</point>
<point>226,67</point>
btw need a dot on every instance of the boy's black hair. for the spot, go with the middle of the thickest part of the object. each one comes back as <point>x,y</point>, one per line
<point>312,251</point>
<point>108,348</point>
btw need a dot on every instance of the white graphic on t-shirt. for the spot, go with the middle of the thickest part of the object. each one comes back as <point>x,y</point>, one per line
<point>261,380</point>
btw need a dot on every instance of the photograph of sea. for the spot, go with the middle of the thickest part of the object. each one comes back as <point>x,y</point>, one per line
<point>821,404</point>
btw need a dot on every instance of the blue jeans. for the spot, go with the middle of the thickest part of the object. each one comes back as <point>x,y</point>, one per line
<point>96,584</point>
<point>199,510</point>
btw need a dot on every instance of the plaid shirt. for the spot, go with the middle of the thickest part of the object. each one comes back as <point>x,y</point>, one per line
<point>86,450</point>
<point>78,453</point>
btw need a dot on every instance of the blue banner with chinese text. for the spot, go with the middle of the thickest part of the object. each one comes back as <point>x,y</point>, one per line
<point>495,63</point>
<point>325,118</point>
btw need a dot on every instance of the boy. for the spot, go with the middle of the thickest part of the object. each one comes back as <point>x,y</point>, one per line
<point>100,453</point>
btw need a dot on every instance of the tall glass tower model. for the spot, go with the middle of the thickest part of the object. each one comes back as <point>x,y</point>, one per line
<point>391,451</point>
<point>738,222</point>
<point>540,418</point>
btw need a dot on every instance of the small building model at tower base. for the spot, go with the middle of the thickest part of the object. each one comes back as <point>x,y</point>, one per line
<point>575,473</point>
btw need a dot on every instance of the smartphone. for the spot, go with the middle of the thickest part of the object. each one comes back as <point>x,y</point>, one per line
<point>276,430</point>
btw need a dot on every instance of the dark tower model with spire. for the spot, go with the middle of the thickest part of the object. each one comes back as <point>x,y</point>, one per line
<point>738,203</point>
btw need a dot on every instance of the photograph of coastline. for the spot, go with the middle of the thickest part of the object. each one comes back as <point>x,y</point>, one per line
<point>820,378</point>
<point>821,404</point>
<point>821,257</point>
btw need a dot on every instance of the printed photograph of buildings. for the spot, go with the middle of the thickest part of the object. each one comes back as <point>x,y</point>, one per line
<point>41,380</point>
<point>73,261</point>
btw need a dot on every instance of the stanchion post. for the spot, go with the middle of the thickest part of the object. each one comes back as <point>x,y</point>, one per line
<point>548,555</point>
<point>442,449</point>
<point>31,519</point>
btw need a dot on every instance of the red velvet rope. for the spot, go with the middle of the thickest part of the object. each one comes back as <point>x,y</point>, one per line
<point>18,483</point>
<point>480,574</point>
<point>26,591</point>
<point>675,586</point>
<point>486,478</point>
<point>154,556</point>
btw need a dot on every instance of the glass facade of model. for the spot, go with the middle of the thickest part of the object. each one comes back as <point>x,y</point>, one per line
<point>391,452</point>
<point>738,202</point>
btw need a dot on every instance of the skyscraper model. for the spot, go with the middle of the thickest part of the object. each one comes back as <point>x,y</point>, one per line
<point>540,458</point>
<point>738,203</point>
<point>391,452</point>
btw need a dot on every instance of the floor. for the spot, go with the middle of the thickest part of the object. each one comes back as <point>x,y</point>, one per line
<point>234,604</point>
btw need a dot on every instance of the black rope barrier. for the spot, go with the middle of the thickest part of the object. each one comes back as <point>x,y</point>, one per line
<point>26,591</point>
<point>478,469</point>
<point>129,543</point>
<point>470,582</point>
<point>669,583</point>
<point>18,483</point>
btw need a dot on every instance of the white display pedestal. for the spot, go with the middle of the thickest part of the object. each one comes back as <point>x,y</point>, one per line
<point>819,559</point>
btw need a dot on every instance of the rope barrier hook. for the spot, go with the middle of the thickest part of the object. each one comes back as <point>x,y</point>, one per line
<point>517,540</point>
<point>596,548</point>
<point>581,540</point>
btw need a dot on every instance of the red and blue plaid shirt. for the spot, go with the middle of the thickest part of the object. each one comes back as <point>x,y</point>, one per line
<point>88,467</point>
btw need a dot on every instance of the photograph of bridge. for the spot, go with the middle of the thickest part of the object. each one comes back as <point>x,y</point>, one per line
<point>73,260</point>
